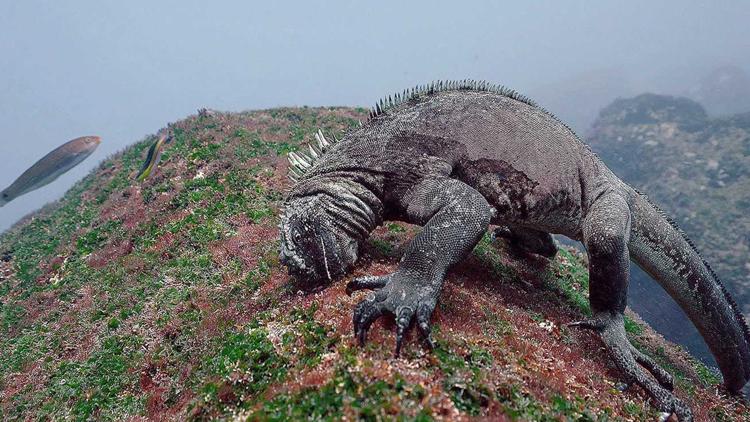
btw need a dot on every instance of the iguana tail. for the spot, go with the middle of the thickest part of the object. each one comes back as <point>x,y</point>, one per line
<point>659,247</point>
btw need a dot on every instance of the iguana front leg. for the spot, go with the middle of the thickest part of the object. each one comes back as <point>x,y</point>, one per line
<point>606,231</point>
<point>455,216</point>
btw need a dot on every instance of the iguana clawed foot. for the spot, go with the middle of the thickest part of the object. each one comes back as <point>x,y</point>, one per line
<point>632,362</point>
<point>398,294</point>
<point>523,240</point>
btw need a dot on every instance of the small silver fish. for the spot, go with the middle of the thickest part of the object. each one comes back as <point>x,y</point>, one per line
<point>50,167</point>
<point>152,158</point>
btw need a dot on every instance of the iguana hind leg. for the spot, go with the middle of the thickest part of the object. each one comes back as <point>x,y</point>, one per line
<point>606,231</point>
<point>528,240</point>
<point>455,216</point>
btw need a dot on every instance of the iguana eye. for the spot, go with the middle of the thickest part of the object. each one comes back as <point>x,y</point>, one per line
<point>297,235</point>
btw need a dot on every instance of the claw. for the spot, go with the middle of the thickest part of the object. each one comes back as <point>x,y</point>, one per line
<point>364,315</point>
<point>362,337</point>
<point>355,320</point>
<point>664,416</point>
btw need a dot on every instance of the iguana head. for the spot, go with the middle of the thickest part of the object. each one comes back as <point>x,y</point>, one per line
<point>313,248</point>
<point>326,216</point>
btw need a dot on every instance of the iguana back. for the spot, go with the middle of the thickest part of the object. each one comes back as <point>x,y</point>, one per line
<point>503,145</point>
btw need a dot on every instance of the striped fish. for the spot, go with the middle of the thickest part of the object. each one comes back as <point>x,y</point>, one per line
<point>152,158</point>
<point>50,167</point>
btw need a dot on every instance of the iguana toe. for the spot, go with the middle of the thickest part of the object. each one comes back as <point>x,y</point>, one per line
<point>423,323</point>
<point>370,282</point>
<point>589,324</point>
<point>365,314</point>
<point>405,314</point>
<point>665,379</point>
<point>623,386</point>
<point>676,407</point>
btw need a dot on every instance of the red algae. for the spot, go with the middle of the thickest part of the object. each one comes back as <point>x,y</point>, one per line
<point>499,325</point>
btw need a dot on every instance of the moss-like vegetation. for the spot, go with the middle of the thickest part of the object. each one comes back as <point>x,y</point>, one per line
<point>488,254</point>
<point>166,300</point>
<point>571,280</point>
<point>100,384</point>
<point>348,393</point>
<point>464,378</point>
<point>383,247</point>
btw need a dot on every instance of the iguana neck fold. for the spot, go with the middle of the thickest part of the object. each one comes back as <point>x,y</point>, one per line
<point>347,203</point>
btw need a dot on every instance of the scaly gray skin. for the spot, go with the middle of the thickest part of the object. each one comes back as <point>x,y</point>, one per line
<point>456,157</point>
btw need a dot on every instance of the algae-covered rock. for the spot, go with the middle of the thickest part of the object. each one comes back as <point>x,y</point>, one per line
<point>165,300</point>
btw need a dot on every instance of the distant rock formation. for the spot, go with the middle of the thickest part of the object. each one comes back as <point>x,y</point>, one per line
<point>698,169</point>
<point>724,91</point>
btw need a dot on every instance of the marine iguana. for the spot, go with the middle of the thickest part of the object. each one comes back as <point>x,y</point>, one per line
<point>456,157</point>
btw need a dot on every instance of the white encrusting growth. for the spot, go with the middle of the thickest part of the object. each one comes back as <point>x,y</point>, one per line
<point>325,259</point>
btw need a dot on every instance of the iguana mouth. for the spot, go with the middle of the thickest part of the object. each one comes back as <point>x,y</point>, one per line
<point>308,281</point>
<point>306,277</point>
